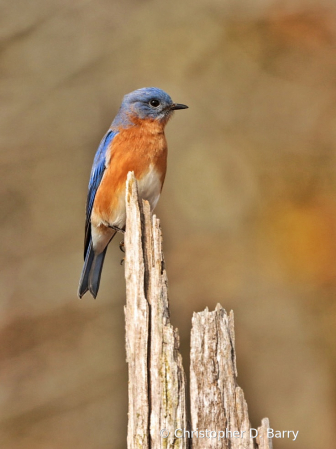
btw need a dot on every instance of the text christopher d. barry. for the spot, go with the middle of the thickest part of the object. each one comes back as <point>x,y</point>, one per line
<point>220,434</point>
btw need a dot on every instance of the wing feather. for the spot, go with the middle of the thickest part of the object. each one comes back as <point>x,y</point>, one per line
<point>97,172</point>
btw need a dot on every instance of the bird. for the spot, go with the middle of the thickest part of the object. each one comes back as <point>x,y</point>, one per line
<point>134,142</point>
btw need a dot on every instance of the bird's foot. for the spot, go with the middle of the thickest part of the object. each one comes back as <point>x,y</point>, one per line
<point>122,246</point>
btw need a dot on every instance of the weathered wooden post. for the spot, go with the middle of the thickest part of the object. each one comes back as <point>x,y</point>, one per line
<point>156,386</point>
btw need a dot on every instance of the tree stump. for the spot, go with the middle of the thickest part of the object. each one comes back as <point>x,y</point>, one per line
<point>156,388</point>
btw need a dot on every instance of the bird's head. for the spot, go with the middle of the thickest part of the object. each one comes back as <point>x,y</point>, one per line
<point>147,103</point>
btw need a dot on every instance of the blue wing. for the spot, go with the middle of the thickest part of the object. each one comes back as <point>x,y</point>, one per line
<point>97,173</point>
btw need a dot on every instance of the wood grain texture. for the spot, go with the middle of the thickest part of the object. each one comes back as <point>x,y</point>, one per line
<point>217,402</point>
<point>137,331</point>
<point>156,376</point>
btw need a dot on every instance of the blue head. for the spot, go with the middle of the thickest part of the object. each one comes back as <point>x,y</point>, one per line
<point>146,103</point>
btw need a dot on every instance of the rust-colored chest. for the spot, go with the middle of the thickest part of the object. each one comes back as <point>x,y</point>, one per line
<point>141,148</point>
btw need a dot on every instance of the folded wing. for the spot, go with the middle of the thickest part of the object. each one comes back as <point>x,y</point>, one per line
<point>97,172</point>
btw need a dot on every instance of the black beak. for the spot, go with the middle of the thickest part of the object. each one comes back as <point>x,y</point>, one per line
<point>175,106</point>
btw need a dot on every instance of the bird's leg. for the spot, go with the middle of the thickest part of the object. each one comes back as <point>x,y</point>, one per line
<point>115,228</point>
<point>122,248</point>
<point>121,244</point>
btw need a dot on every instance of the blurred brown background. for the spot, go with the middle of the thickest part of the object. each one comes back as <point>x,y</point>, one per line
<point>248,210</point>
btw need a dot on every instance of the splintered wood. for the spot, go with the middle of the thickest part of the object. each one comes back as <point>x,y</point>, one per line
<point>217,402</point>
<point>156,387</point>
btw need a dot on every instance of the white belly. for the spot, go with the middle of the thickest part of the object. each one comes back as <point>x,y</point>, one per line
<point>149,187</point>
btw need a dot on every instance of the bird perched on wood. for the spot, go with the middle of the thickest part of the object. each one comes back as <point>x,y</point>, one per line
<point>134,142</point>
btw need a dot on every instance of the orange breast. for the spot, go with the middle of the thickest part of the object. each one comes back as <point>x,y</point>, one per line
<point>133,149</point>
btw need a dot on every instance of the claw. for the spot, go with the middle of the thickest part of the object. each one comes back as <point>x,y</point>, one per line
<point>122,246</point>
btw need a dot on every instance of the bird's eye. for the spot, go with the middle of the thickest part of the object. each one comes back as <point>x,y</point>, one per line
<point>154,103</point>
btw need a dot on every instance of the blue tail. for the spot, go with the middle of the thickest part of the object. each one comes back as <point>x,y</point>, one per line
<point>90,278</point>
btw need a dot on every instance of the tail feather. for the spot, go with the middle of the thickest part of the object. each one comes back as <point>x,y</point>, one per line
<point>95,273</point>
<point>84,280</point>
<point>92,269</point>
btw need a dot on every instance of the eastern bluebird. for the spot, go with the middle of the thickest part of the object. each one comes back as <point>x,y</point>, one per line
<point>135,142</point>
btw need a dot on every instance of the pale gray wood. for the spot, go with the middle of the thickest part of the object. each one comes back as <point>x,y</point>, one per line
<point>137,325</point>
<point>217,402</point>
<point>156,376</point>
<point>262,439</point>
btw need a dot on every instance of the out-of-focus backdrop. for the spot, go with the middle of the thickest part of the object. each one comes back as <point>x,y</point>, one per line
<point>248,209</point>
